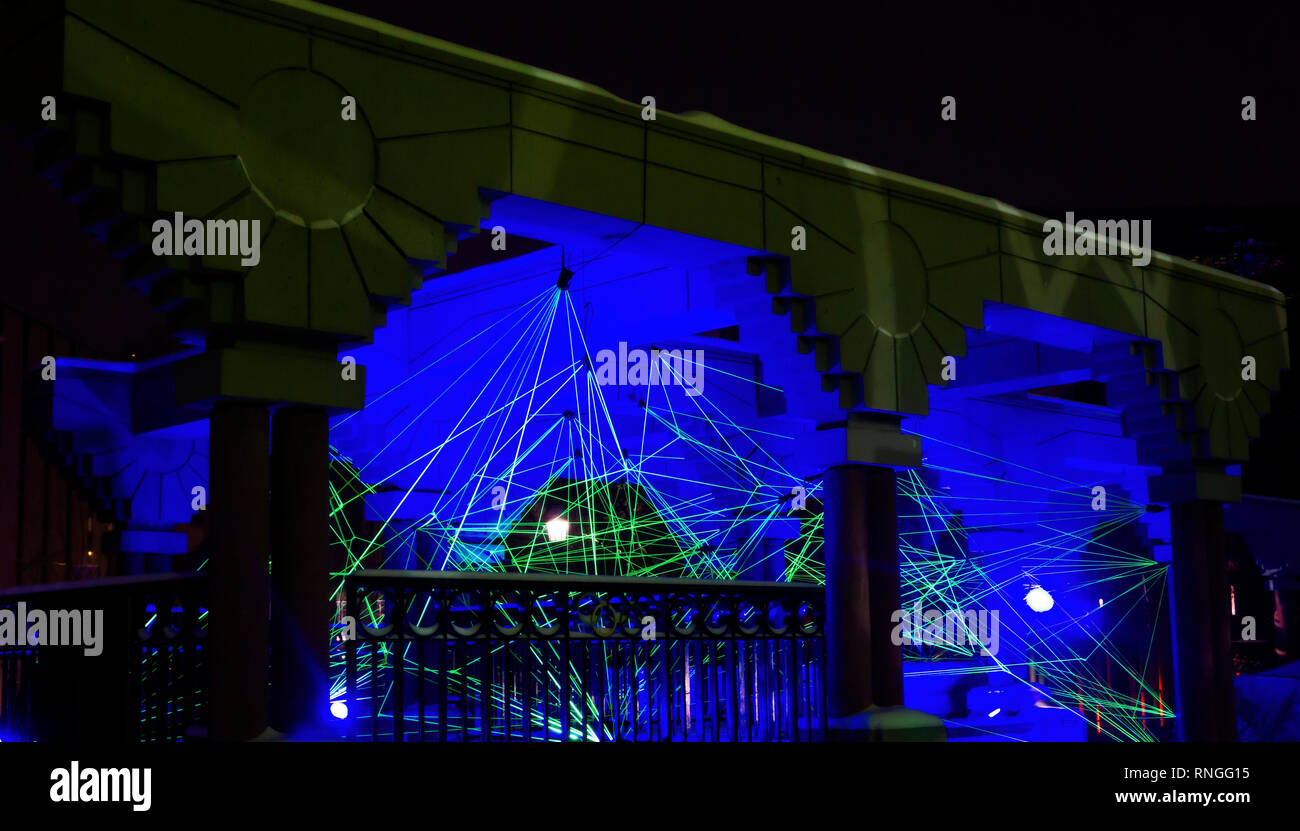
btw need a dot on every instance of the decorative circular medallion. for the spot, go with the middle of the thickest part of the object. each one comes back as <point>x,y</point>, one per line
<point>897,289</point>
<point>302,158</point>
<point>1221,357</point>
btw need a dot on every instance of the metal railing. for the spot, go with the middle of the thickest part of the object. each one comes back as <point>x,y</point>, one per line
<point>147,682</point>
<point>459,656</point>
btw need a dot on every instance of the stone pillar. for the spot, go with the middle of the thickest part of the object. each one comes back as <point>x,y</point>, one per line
<point>239,514</point>
<point>865,667</point>
<point>882,562</point>
<point>1286,619</point>
<point>1199,601</point>
<point>300,610</point>
<point>1200,604</point>
<point>848,591</point>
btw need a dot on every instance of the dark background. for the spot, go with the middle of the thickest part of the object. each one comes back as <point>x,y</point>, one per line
<point>1104,107</point>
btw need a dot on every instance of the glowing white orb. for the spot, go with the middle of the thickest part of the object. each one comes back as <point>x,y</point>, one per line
<point>1039,599</point>
<point>339,709</point>
<point>557,530</point>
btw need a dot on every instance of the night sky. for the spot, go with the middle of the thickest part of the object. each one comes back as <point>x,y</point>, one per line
<point>1103,110</point>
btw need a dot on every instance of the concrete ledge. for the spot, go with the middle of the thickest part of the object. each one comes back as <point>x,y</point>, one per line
<point>255,374</point>
<point>888,724</point>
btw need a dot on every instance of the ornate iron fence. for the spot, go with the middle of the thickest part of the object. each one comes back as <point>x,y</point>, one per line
<point>457,656</point>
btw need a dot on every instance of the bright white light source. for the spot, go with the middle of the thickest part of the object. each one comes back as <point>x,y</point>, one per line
<point>339,709</point>
<point>995,712</point>
<point>557,530</point>
<point>1039,600</point>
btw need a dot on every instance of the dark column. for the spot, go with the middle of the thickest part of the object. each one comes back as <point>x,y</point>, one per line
<point>1286,620</point>
<point>1220,607</point>
<point>1200,609</point>
<point>239,534</point>
<point>300,609</point>
<point>882,555</point>
<point>861,550</point>
<point>11,444</point>
<point>848,619</point>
